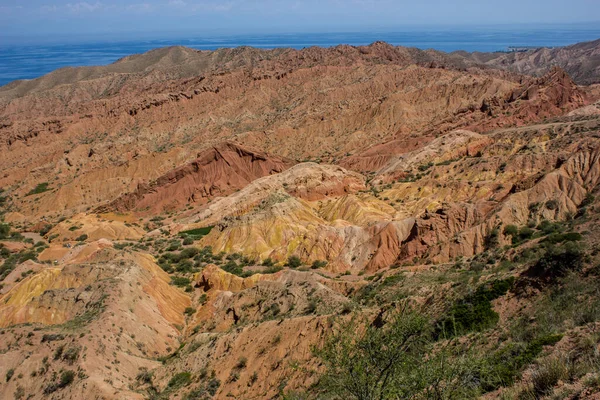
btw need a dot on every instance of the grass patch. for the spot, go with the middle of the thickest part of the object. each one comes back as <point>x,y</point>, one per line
<point>40,188</point>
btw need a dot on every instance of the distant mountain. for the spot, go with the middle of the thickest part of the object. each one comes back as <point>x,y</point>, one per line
<point>581,61</point>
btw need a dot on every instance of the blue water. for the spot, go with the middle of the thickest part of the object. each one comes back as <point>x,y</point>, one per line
<point>31,61</point>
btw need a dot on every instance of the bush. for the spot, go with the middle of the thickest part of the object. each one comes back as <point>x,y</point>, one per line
<point>548,227</point>
<point>525,233</point>
<point>547,375</point>
<point>45,229</point>
<point>474,312</point>
<point>180,281</point>
<point>144,376</point>
<point>552,204</point>
<point>317,264</point>
<point>9,374</point>
<point>4,231</point>
<point>294,262</point>
<point>190,252</point>
<point>365,361</point>
<point>505,365</point>
<point>71,355</point>
<point>233,268</point>
<point>267,262</point>
<point>213,386</point>
<point>311,308</point>
<point>491,239</point>
<point>66,378</point>
<point>187,241</point>
<point>511,230</point>
<point>82,238</point>
<point>272,270</point>
<point>180,380</point>
<point>242,362</point>
<point>58,352</point>
<point>189,310</point>
<point>555,238</point>
<point>557,261</point>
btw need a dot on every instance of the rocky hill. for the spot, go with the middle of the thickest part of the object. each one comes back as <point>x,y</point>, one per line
<point>285,224</point>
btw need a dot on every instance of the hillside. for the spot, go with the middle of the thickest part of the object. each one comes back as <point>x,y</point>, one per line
<point>353,222</point>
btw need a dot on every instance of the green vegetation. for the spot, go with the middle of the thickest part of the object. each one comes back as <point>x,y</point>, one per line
<point>40,188</point>
<point>180,281</point>
<point>294,262</point>
<point>15,259</point>
<point>425,167</point>
<point>366,361</point>
<point>474,312</point>
<point>4,231</point>
<point>66,378</point>
<point>558,260</point>
<point>505,365</point>
<point>197,233</point>
<point>180,380</point>
<point>82,238</point>
<point>92,311</point>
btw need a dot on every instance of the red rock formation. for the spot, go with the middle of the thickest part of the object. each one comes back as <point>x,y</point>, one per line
<point>218,171</point>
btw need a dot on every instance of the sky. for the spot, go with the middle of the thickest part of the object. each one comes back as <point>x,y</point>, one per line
<point>71,19</point>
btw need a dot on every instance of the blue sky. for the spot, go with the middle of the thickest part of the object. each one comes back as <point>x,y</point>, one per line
<point>153,18</point>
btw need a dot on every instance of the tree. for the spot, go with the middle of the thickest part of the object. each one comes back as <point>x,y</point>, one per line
<point>398,360</point>
<point>294,262</point>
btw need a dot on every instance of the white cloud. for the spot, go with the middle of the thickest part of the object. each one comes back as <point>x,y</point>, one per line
<point>141,7</point>
<point>84,7</point>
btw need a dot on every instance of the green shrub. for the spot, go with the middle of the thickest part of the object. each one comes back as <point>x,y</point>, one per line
<point>474,312</point>
<point>58,352</point>
<point>504,366</point>
<point>82,238</point>
<point>190,252</point>
<point>558,260</point>
<point>554,238</point>
<point>511,230</point>
<point>145,376</point>
<point>491,239</point>
<point>213,386</point>
<point>4,231</point>
<point>311,308</point>
<point>267,262</point>
<point>189,310</point>
<point>525,233</point>
<point>71,355</point>
<point>242,362</point>
<point>294,262</point>
<point>272,270</point>
<point>233,268</point>
<point>45,229</point>
<point>363,360</point>
<point>317,264</point>
<point>548,227</point>
<point>9,374</point>
<point>552,204</point>
<point>66,378</point>
<point>180,281</point>
<point>40,188</point>
<point>180,380</point>
<point>547,375</point>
